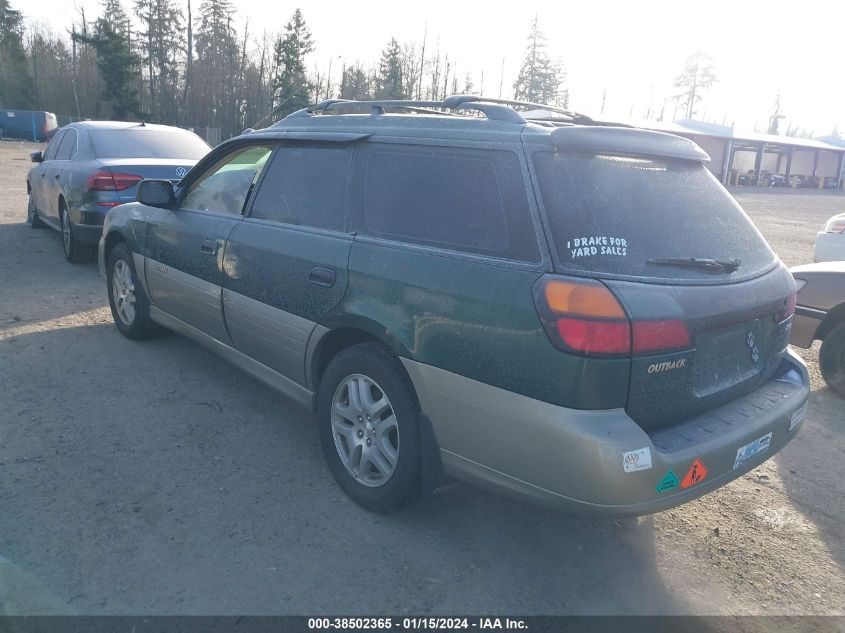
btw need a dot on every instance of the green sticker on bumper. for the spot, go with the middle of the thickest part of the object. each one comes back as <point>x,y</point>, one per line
<point>669,481</point>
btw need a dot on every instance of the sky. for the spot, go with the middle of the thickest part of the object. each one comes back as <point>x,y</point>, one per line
<point>625,54</point>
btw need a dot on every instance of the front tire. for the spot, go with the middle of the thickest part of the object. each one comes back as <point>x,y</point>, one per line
<point>369,427</point>
<point>832,359</point>
<point>32,219</point>
<point>75,251</point>
<point>129,306</point>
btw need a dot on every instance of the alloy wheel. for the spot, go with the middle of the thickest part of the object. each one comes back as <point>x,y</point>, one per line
<point>366,434</point>
<point>66,236</point>
<point>123,292</point>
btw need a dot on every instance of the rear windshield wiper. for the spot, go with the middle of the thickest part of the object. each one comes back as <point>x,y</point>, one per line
<point>712,265</point>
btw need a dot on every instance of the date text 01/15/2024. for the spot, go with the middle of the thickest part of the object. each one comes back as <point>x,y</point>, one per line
<point>416,623</point>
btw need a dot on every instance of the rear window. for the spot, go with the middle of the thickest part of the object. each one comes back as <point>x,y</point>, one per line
<point>146,143</point>
<point>458,199</point>
<point>611,214</point>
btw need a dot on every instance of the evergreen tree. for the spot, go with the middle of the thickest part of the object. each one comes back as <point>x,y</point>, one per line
<point>291,86</point>
<point>16,85</point>
<point>214,69</point>
<point>389,78</point>
<point>116,63</point>
<point>539,78</point>
<point>161,40</point>
<point>354,83</point>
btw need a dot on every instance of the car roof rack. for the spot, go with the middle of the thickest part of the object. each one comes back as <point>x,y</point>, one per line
<point>493,108</point>
<point>461,101</point>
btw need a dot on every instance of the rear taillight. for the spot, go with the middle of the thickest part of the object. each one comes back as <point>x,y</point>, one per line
<point>585,317</point>
<point>111,181</point>
<point>788,308</point>
<point>835,225</point>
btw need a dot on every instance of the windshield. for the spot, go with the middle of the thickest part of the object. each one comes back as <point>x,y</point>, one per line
<point>146,143</point>
<point>612,214</point>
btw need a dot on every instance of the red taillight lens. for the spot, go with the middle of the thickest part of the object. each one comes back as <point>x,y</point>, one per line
<point>595,337</point>
<point>655,336</point>
<point>583,316</point>
<point>111,181</point>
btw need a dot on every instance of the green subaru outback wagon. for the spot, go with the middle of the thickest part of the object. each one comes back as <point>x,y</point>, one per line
<point>570,311</point>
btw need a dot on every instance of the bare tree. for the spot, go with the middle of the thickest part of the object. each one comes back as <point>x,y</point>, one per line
<point>698,75</point>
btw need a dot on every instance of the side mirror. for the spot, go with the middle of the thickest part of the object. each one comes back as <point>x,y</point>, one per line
<point>36,157</point>
<point>156,193</point>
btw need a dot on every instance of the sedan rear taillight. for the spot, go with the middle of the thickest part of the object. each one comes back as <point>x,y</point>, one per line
<point>111,181</point>
<point>585,317</point>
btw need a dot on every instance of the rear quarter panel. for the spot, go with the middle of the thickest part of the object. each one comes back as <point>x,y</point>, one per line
<point>469,317</point>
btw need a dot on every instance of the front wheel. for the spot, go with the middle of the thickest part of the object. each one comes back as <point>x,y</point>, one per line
<point>32,219</point>
<point>75,251</point>
<point>369,427</point>
<point>832,359</point>
<point>129,306</point>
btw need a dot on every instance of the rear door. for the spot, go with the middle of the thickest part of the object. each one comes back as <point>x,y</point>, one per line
<point>708,300</point>
<point>58,171</point>
<point>185,245</point>
<point>285,264</point>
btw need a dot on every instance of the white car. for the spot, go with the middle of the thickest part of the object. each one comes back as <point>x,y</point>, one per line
<point>830,243</point>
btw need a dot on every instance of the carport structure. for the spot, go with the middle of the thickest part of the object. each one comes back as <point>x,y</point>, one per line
<point>763,159</point>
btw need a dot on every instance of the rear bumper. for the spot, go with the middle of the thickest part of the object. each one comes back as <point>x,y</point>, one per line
<point>805,324</point>
<point>88,233</point>
<point>574,459</point>
<point>829,247</point>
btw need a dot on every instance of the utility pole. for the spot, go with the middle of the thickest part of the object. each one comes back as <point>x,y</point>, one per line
<point>501,77</point>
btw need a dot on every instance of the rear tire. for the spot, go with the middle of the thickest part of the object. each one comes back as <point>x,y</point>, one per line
<point>832,359</point>
<point>32,219</point>
<point>366,404</point>
<point>127,300</point>
<point>75,251</point>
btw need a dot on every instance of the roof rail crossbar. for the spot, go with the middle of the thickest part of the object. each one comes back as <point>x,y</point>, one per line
<point>458,100</point>
<point>493,111</point>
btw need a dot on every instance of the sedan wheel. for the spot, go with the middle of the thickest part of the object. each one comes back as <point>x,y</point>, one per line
<point>32,218</point>
<point>76,252</point>
<point>67,237</point>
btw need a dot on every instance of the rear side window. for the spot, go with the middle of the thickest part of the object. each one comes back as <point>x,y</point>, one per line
<point>611,214</point>
<point>459,199</point>
<point>305,186</point>
<point>53,145</point>
<point>67,148</point>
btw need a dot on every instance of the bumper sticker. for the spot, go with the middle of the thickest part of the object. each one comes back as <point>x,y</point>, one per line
<point>669,482</point>
<point>696,473</point>
<point>749,450</point>
<point>796,418</point>
<point>639,459</point>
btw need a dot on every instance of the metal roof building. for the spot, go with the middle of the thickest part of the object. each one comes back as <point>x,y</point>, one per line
<point>763,159</point>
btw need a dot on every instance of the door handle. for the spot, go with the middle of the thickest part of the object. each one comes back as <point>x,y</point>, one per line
<point>209,247</point>
<point>56,176</point>
<point>322,277</point>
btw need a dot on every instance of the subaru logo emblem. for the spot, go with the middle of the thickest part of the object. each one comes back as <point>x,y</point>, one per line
<point>752,346</point>
<point>181,172</point>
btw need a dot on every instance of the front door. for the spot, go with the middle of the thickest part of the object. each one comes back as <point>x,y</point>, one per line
<point>39,181</point>
<point>186,245</point>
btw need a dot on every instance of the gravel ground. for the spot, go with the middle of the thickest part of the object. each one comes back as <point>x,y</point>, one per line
<point>154,478</point>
